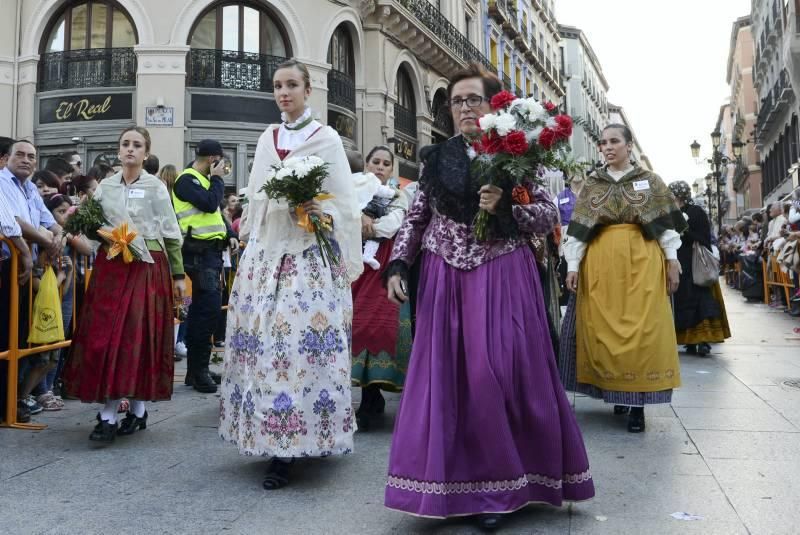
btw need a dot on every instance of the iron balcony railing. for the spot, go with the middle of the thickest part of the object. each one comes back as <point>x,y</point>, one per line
<point>405,121</point>
<point>231,69</point>
<point>771,103</point>
<point>341,90</point>
<point>94,67</point>
<point>432,18</point>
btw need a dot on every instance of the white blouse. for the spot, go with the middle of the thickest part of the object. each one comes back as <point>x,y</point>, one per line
<point>291,139</point>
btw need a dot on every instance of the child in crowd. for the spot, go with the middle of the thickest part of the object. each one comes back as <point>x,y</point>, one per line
<point>47,183</point>
<point>34,369</point>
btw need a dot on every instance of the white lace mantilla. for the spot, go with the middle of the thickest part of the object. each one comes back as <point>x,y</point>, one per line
<point>477,487</point>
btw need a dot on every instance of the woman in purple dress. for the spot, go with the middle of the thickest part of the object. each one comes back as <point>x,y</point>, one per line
<point>484,426</point>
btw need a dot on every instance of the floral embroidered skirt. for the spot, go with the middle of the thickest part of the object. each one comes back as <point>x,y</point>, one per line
<point>484,424</point>
<point>381,336</point>
<point>286,379</point>
<point>123,344</point>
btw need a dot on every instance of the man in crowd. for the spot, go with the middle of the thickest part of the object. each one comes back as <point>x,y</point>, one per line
<point>197,195</point>
<point>73,159</point>
<point>37,226</point>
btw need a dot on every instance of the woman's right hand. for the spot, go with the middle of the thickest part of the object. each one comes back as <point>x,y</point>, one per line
<point>367,230</point>
<point>395,290</point>
<point>571,281</point>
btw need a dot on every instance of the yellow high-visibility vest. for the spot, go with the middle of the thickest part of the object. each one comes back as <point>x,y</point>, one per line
<point>205,226</point>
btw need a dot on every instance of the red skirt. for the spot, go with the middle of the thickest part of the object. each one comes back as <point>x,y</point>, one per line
<point>123,344</point>
<point>375,318</point>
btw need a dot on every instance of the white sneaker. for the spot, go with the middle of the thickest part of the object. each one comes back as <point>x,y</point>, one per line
<point>180,349</point>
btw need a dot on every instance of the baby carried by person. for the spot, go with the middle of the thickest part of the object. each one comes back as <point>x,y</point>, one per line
<point>374,199</point>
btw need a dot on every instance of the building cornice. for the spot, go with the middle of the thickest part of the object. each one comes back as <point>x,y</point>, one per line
<point>570,32</point>
<point>738,25</point>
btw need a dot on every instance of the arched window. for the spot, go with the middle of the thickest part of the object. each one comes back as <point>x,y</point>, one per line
<point>405,111</point>
<point>442,120</point>
<point>341,77</point>
<point>240,27</point>
<point>236,45</point>
<point>88,44</point>
<point>87,25</point>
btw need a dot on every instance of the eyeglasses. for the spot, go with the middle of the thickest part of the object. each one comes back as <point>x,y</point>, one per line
<point>473,101</point>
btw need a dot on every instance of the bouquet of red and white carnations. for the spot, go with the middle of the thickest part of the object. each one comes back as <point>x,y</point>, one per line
<point>518,142</point>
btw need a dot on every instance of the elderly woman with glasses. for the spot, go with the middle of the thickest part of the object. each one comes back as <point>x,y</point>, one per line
<point>484,426</point>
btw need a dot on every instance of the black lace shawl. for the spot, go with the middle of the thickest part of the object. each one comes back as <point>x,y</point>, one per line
<point>452,189</point>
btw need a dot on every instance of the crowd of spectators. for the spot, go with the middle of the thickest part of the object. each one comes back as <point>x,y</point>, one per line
<point>762,245</point>
<point>35,201</point>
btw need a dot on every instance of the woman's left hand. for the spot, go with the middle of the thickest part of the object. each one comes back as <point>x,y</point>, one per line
<point>673,275</point>
<point>313,208</point>
<point>490,198</point>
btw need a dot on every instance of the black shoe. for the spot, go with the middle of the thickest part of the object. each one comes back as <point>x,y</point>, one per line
<point>203,382</point>
<point>621,409</point>
<point>104,432</point>
<point>489,522</point>
<point>703,349</point>
<point>691,349</point>
<point>636,420</point>
<point>217,378</point>
<point>277,475</point>
<point>23,413</point>
<point>132,423</point>
<point>178,358</point>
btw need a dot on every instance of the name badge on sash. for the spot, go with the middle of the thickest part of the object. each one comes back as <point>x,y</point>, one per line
<point>563,201</point>
<point>641,185</point>
<point>136,194</point>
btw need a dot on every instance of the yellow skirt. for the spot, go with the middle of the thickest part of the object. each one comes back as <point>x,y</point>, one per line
<point>625,333</point>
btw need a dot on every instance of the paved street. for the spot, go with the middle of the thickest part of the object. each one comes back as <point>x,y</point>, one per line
<point>725,451</point>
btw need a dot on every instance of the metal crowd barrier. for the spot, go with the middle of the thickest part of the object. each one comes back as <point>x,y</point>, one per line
<point>15,353</point>
<point>774,275</point>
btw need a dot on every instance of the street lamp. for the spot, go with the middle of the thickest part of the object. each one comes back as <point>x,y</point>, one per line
<point>737,148</point>
<point>716,162</point>
<point>716,138</point>
<point>695,149</point>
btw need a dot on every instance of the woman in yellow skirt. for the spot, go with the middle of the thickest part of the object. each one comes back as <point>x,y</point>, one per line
<point>618,338</point>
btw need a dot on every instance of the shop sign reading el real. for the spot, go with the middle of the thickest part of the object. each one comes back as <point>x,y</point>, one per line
<point>86,108</point>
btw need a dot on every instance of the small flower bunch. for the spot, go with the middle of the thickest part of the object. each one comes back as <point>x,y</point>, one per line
<point>88,219</point>
<point>520,138</point>
<point>298,180</point>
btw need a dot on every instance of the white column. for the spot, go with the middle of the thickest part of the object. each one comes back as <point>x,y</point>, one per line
<point>161,79</point>
<point>26,97</point>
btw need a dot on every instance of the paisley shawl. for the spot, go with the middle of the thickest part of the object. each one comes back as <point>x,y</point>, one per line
<point>604,201</point>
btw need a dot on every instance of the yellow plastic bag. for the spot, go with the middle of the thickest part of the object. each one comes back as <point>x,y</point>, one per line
<point>47,326</point>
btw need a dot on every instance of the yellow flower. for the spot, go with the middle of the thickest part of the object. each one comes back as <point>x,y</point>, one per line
<point>121,239</point>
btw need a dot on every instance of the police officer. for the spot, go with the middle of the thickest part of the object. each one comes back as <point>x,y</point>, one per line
<point>197,196</point>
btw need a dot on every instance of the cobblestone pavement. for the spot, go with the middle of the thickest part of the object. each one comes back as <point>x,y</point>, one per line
<point>725,451</point>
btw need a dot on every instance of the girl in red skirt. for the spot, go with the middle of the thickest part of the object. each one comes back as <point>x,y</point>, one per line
<point>123,344</point>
